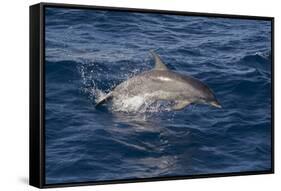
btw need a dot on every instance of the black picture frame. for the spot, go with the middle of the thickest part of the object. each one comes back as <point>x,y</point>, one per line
<point>37,95</point>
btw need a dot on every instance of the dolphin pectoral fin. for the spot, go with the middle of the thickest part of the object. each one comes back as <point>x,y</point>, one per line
<point>180,105</point>
<point>159,64</point>
<point>104,99</point>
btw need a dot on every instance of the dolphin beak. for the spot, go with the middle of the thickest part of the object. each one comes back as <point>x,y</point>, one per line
<point>216,104</point>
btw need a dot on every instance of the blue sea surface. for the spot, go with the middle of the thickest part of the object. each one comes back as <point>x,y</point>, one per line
<point>88,52</point>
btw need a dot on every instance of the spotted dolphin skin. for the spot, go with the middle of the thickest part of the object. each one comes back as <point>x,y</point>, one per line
<point>162,84</point>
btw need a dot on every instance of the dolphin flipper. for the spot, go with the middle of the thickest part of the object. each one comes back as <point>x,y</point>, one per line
<point>181,104</point>
<point>159,64</point>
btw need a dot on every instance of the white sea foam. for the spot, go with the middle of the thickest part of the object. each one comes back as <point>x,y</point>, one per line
<point>140,104</point>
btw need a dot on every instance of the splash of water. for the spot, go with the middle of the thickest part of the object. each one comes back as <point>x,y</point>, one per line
<point>96,83</point>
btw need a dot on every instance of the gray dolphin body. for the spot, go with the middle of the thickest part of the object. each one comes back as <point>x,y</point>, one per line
<point>160,83</point>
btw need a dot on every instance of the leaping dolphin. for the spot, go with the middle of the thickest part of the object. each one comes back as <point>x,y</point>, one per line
<point>162,84</point>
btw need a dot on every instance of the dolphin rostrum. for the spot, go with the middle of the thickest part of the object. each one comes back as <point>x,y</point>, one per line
<point>162,84</point>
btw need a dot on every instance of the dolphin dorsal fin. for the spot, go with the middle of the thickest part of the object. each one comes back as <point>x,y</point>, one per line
<point>159,64</point>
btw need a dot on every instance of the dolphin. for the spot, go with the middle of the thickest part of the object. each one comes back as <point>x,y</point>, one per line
<point>163,84</point>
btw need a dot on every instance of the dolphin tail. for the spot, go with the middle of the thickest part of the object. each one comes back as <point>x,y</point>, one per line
<point>104,99</point>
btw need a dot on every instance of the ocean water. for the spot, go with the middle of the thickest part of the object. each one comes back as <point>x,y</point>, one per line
<point>89,52</point>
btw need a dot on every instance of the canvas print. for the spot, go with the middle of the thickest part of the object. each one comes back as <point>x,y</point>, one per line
<point>132,95</point>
